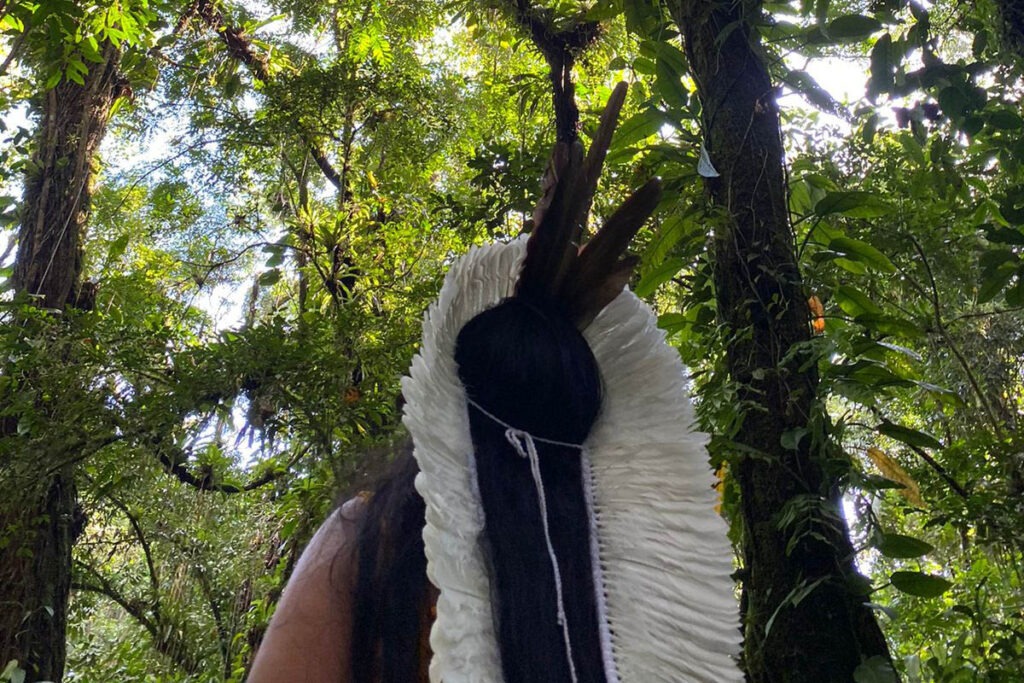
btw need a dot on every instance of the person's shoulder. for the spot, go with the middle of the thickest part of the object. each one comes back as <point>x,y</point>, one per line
<point>339,531</point>
<point>352,510</point>
<point>310,632</point>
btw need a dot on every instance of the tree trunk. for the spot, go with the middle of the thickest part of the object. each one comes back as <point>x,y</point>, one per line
<point>57,189</point>
<point>803,601</point>
<point>37,519</point>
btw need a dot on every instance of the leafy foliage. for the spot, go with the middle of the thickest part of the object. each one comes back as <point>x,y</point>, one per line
<point>285,185</point>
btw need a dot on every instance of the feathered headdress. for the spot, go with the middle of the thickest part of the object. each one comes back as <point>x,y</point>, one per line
<point>661,558</point>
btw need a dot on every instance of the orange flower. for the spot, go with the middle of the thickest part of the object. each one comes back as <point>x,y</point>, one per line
<point>817,314</point>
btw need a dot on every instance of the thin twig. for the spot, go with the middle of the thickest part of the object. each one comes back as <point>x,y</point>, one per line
<point>146,551</point>
<point>15,47</point>
<point>985,314</point>
<point>171,159</point>
<point>934,298</point>
<point>942,472</point>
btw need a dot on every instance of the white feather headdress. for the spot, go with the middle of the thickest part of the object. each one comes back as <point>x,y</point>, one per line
<point>664,561</point>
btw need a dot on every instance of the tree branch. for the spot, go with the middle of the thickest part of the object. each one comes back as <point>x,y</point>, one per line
<point>134,608</point>
<point>164,641</point>
<point>239,46</point>
<point>15,49</point>
<point>933,298</point>
<point>940,470</point>
<point>154,583</point>
<point>322,161</point>
<point>223,634</point>
<point>206,481</point>
<point>560,47</point>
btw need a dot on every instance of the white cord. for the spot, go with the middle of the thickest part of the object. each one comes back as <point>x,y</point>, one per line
<point>525,446</point>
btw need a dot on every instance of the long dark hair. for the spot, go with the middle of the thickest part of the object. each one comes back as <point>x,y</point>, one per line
<point>527,365</point>
<point>390,605</point>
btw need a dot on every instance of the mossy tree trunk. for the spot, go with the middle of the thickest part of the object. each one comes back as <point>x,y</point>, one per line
<point>38,516</point>
<point>804,615</point>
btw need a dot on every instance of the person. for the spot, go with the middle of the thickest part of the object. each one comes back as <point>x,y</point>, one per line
<point>553,520</point>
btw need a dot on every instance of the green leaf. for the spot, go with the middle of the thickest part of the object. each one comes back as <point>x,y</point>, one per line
<point>670,86</point>
<point>902,547</point>
<point>995,257</point>
<point>1012,206</point>
<point>862,251</point>
<point>876,669</point>
<point>644,66</point>
<point>902,350</point>
<point>889,324</point>
<point>672,322</point>
<point>954,101</point>
<point>668,53</point>
<point>884,609</point>
<point>672,231</point>
<point>882,73</point>
<point>972,125</point>
<point>1004,235</point>
<point>637,127</point>
<point>791,438</point>
<point>1015,294</point>
<point>856,204</point>
<point>276,252</point>
<point>875,482</point>
<point>660,275</point>
<point>851,27</point>
<point>1006,119</point>
<point>118,247</point>
<point>270,277</point>
<point>920,584</point>
<point>256,26</point>
<point>874,374</point>
<point>946,395</point>
<point>11,22</point>
<point>232,85</point>
<point>803,83</point>
<point>870,128</point>
<point>909,436</point>
<point>980,43</point>
<point>854,267</point>
<point>995,280</point>
<point>602,11</point>
<point>854,302</point>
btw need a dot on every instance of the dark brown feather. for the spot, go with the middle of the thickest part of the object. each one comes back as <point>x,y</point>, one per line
<point>586,288</point>
<point>583,280</point>
<point>549,251</point>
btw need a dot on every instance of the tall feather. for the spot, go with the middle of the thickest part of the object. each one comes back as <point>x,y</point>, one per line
<point>583,280</point>
<point>550,249</point>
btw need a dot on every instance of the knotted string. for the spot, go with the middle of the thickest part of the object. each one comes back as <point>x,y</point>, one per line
<point>526,447</point>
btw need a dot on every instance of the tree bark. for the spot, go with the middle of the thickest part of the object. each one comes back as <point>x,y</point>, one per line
<point>38,519</point>
<point>803,601</point>
<point>57,188</point>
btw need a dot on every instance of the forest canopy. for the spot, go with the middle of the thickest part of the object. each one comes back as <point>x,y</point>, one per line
<point>221,222</point>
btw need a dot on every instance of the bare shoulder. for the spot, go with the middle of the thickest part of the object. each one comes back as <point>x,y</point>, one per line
<point>309,635</point>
